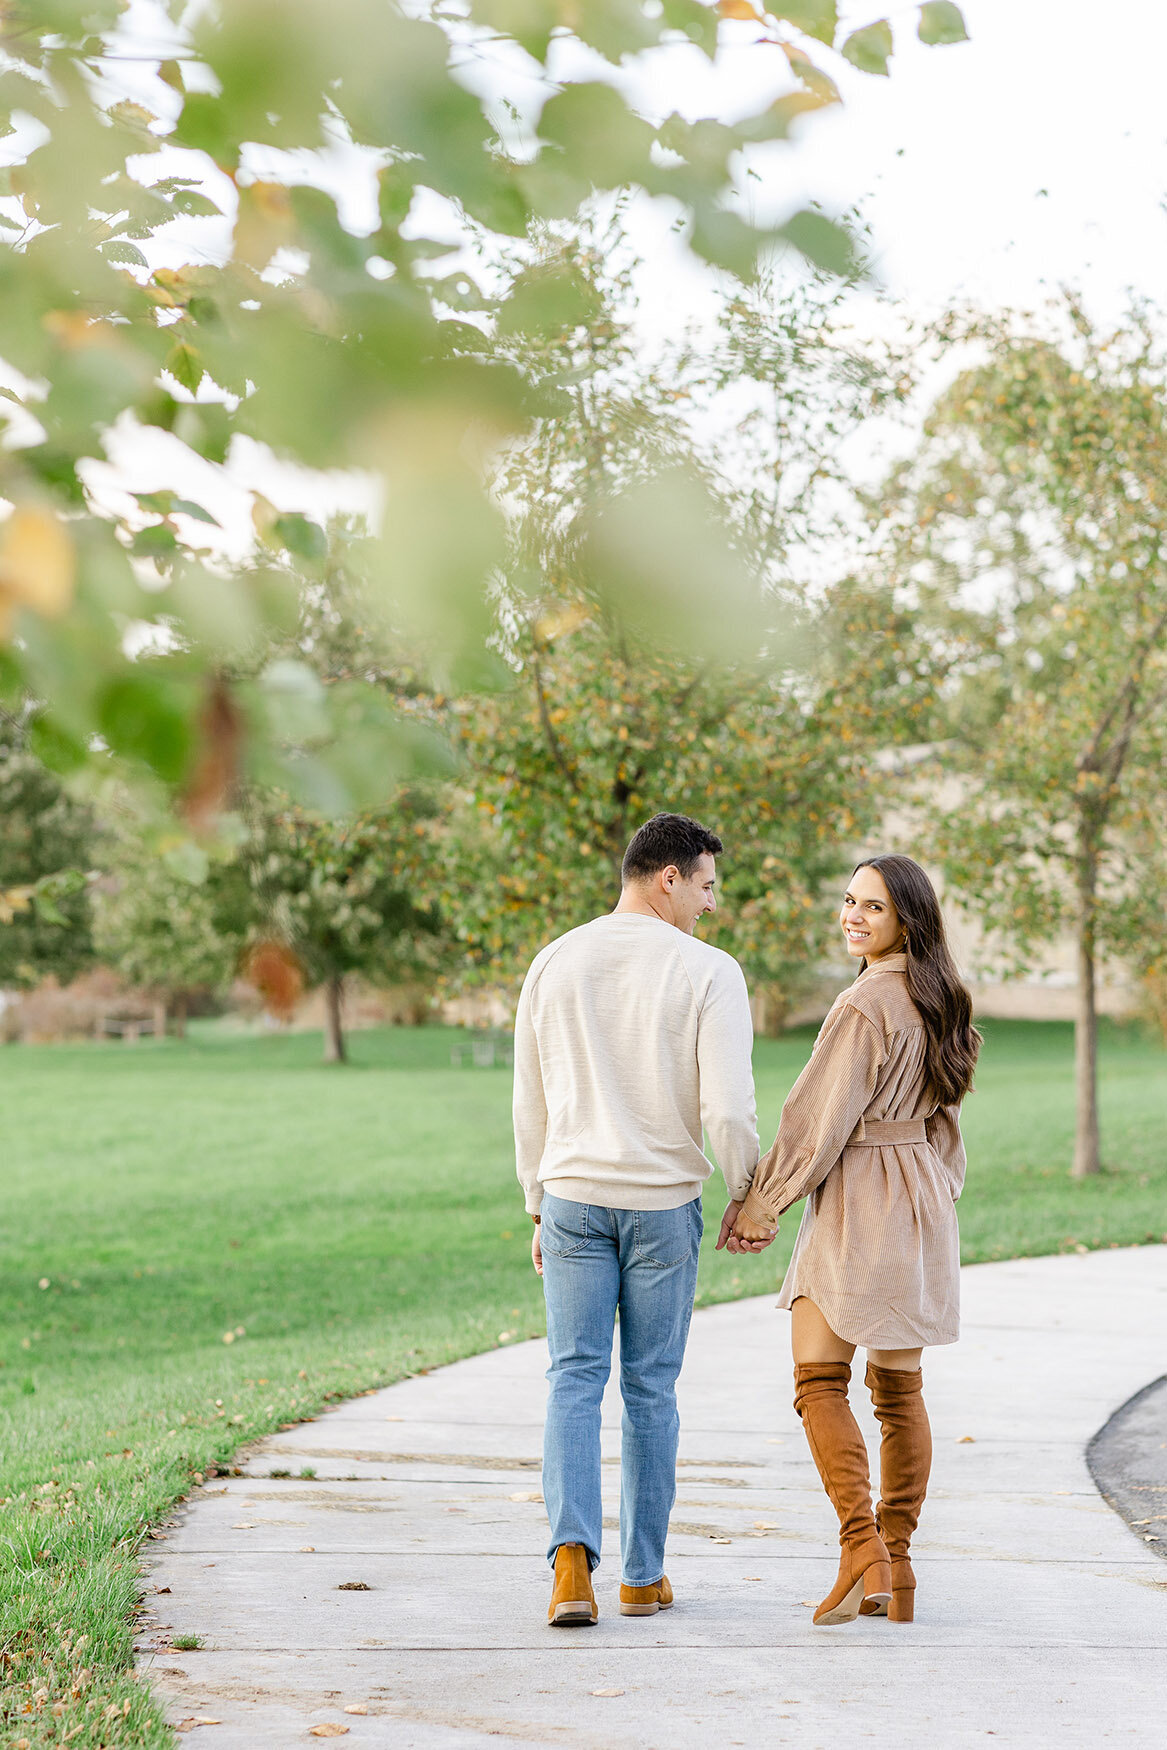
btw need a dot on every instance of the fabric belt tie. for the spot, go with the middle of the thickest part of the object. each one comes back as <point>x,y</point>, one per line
<point>875,1132</point>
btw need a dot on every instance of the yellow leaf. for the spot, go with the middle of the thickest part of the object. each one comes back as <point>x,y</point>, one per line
<point>38,565</point>
<point>738,9</point>
<point>328,1729</point>
<point>265,223</point>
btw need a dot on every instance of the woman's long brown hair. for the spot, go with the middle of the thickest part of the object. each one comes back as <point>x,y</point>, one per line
<point>934,984</point>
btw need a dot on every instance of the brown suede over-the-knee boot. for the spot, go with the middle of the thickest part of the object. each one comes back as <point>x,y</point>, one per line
<point>837,1447</point>
<point>905,1459</point>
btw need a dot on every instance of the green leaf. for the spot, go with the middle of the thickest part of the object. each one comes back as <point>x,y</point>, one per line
<point>547,301</point>
<point>188,861</point>
<point>205,124</point>
<point>195,205</point>
<point>291,698</point>
<point>189,508</point>
<point>301,536</point>
<point>10,224</point>
<point>55,747</point>
<point>594,127</point>
<point>154,542</point>
<point>870,49</point>
<point>529,22</point>
<point>119,250</point>
<point>207,428</point>
<point>148,716</point>
<point>695,20</point>
<point>817,18</point>
<point>185,366</point>
<point>941,22</point>
<point>11,395</point>
<point>827,244</point>
<point>48,912</point>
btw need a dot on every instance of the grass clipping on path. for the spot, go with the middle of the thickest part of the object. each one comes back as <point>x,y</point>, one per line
<point>201,1242</point>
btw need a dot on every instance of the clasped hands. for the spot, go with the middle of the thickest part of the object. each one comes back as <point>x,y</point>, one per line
<point>740,1234</point>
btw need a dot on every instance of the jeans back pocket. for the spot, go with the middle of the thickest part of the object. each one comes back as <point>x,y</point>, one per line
<point>667,1237</point>
<point>564,1228</point>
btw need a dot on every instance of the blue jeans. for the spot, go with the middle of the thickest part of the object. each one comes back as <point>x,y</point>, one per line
<point>643,1263</point>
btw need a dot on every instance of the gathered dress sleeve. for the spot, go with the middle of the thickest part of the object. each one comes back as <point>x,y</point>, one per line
<point>820,1113</point>
<point>942,1129</point>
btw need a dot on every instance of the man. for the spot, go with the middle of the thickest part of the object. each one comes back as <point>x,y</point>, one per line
<point>630,1035</point>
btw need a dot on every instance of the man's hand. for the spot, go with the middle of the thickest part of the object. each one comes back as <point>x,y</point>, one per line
<point>731,1237</point>
<point>537,1250</point>
<point>751,1236</point>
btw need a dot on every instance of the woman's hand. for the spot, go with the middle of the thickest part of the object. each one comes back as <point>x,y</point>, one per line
<point>537,1250</point>
<point>751,1236</point>
<point>732,1237</point>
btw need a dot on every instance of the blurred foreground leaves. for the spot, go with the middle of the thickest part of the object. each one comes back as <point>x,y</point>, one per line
<point>331,341</point>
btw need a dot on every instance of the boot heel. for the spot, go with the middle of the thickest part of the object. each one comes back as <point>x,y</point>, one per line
<point>877,1584</point>
<point>902,1607</point>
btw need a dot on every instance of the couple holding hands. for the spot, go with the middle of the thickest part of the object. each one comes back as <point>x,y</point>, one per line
<point>633,1037</point>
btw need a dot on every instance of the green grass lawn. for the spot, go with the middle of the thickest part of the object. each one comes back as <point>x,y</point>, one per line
<point>342,1227</point>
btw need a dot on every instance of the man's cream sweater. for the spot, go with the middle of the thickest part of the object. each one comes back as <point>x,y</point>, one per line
<point>630,1036</point>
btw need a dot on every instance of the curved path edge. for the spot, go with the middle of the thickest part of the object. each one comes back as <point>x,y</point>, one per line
<point>1128,1461</point>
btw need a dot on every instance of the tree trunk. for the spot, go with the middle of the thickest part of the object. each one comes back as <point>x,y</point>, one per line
<point>334,1048</point>
<point>180,1005</point>
<point>1087,1155</point>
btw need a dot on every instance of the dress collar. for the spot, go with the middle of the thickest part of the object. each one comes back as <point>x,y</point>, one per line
<point>886,963</point>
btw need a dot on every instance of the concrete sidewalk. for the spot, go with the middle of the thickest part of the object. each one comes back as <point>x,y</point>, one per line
<point>1041,1618</point>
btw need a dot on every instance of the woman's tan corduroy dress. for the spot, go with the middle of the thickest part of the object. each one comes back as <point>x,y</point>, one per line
<point>881,1167</point>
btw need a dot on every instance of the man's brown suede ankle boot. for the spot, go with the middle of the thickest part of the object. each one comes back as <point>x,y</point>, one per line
<point>646,1600</point>
<point>573,1603</point>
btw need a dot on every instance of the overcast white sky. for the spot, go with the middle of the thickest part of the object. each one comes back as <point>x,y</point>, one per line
<point>1033,155</point>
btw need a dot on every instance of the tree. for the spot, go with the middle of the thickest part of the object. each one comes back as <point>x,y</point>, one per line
<point>609,720</point>
<point>168,927</point>
<point>48,842</point>
<point>1040,486</point>
<point>340,896</point>
<point>333,347</point>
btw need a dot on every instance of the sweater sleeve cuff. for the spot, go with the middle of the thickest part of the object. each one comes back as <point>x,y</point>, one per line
<point>535,1200</point>
<point>755,1208</point>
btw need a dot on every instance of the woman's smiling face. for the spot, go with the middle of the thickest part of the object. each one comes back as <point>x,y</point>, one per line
<point>869,920</point>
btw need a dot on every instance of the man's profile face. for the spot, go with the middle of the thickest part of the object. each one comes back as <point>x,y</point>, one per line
<point>693,895</point>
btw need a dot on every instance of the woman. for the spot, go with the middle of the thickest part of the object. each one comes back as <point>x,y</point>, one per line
<point>869,1135</point>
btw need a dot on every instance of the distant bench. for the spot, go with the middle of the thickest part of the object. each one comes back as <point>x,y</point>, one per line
<point>130,1028</point>
<point>489,1049</point>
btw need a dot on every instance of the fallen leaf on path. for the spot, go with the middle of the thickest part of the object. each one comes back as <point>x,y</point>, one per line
<point>529,1496</point>
<point>244,1525</point>
<point>809,1602</point>
<point>966,1440</point>
<point>353,1586</point>
<point>714,1538</point>
<point>751,1576</point>
<point>607,1692</point>
<point>307,1549</point>
<point>328,1729</point>
<point>765,1525</point>
<point>356,1707</point>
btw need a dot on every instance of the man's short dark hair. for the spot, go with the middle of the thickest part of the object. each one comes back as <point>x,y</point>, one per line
<point>668,839</point>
